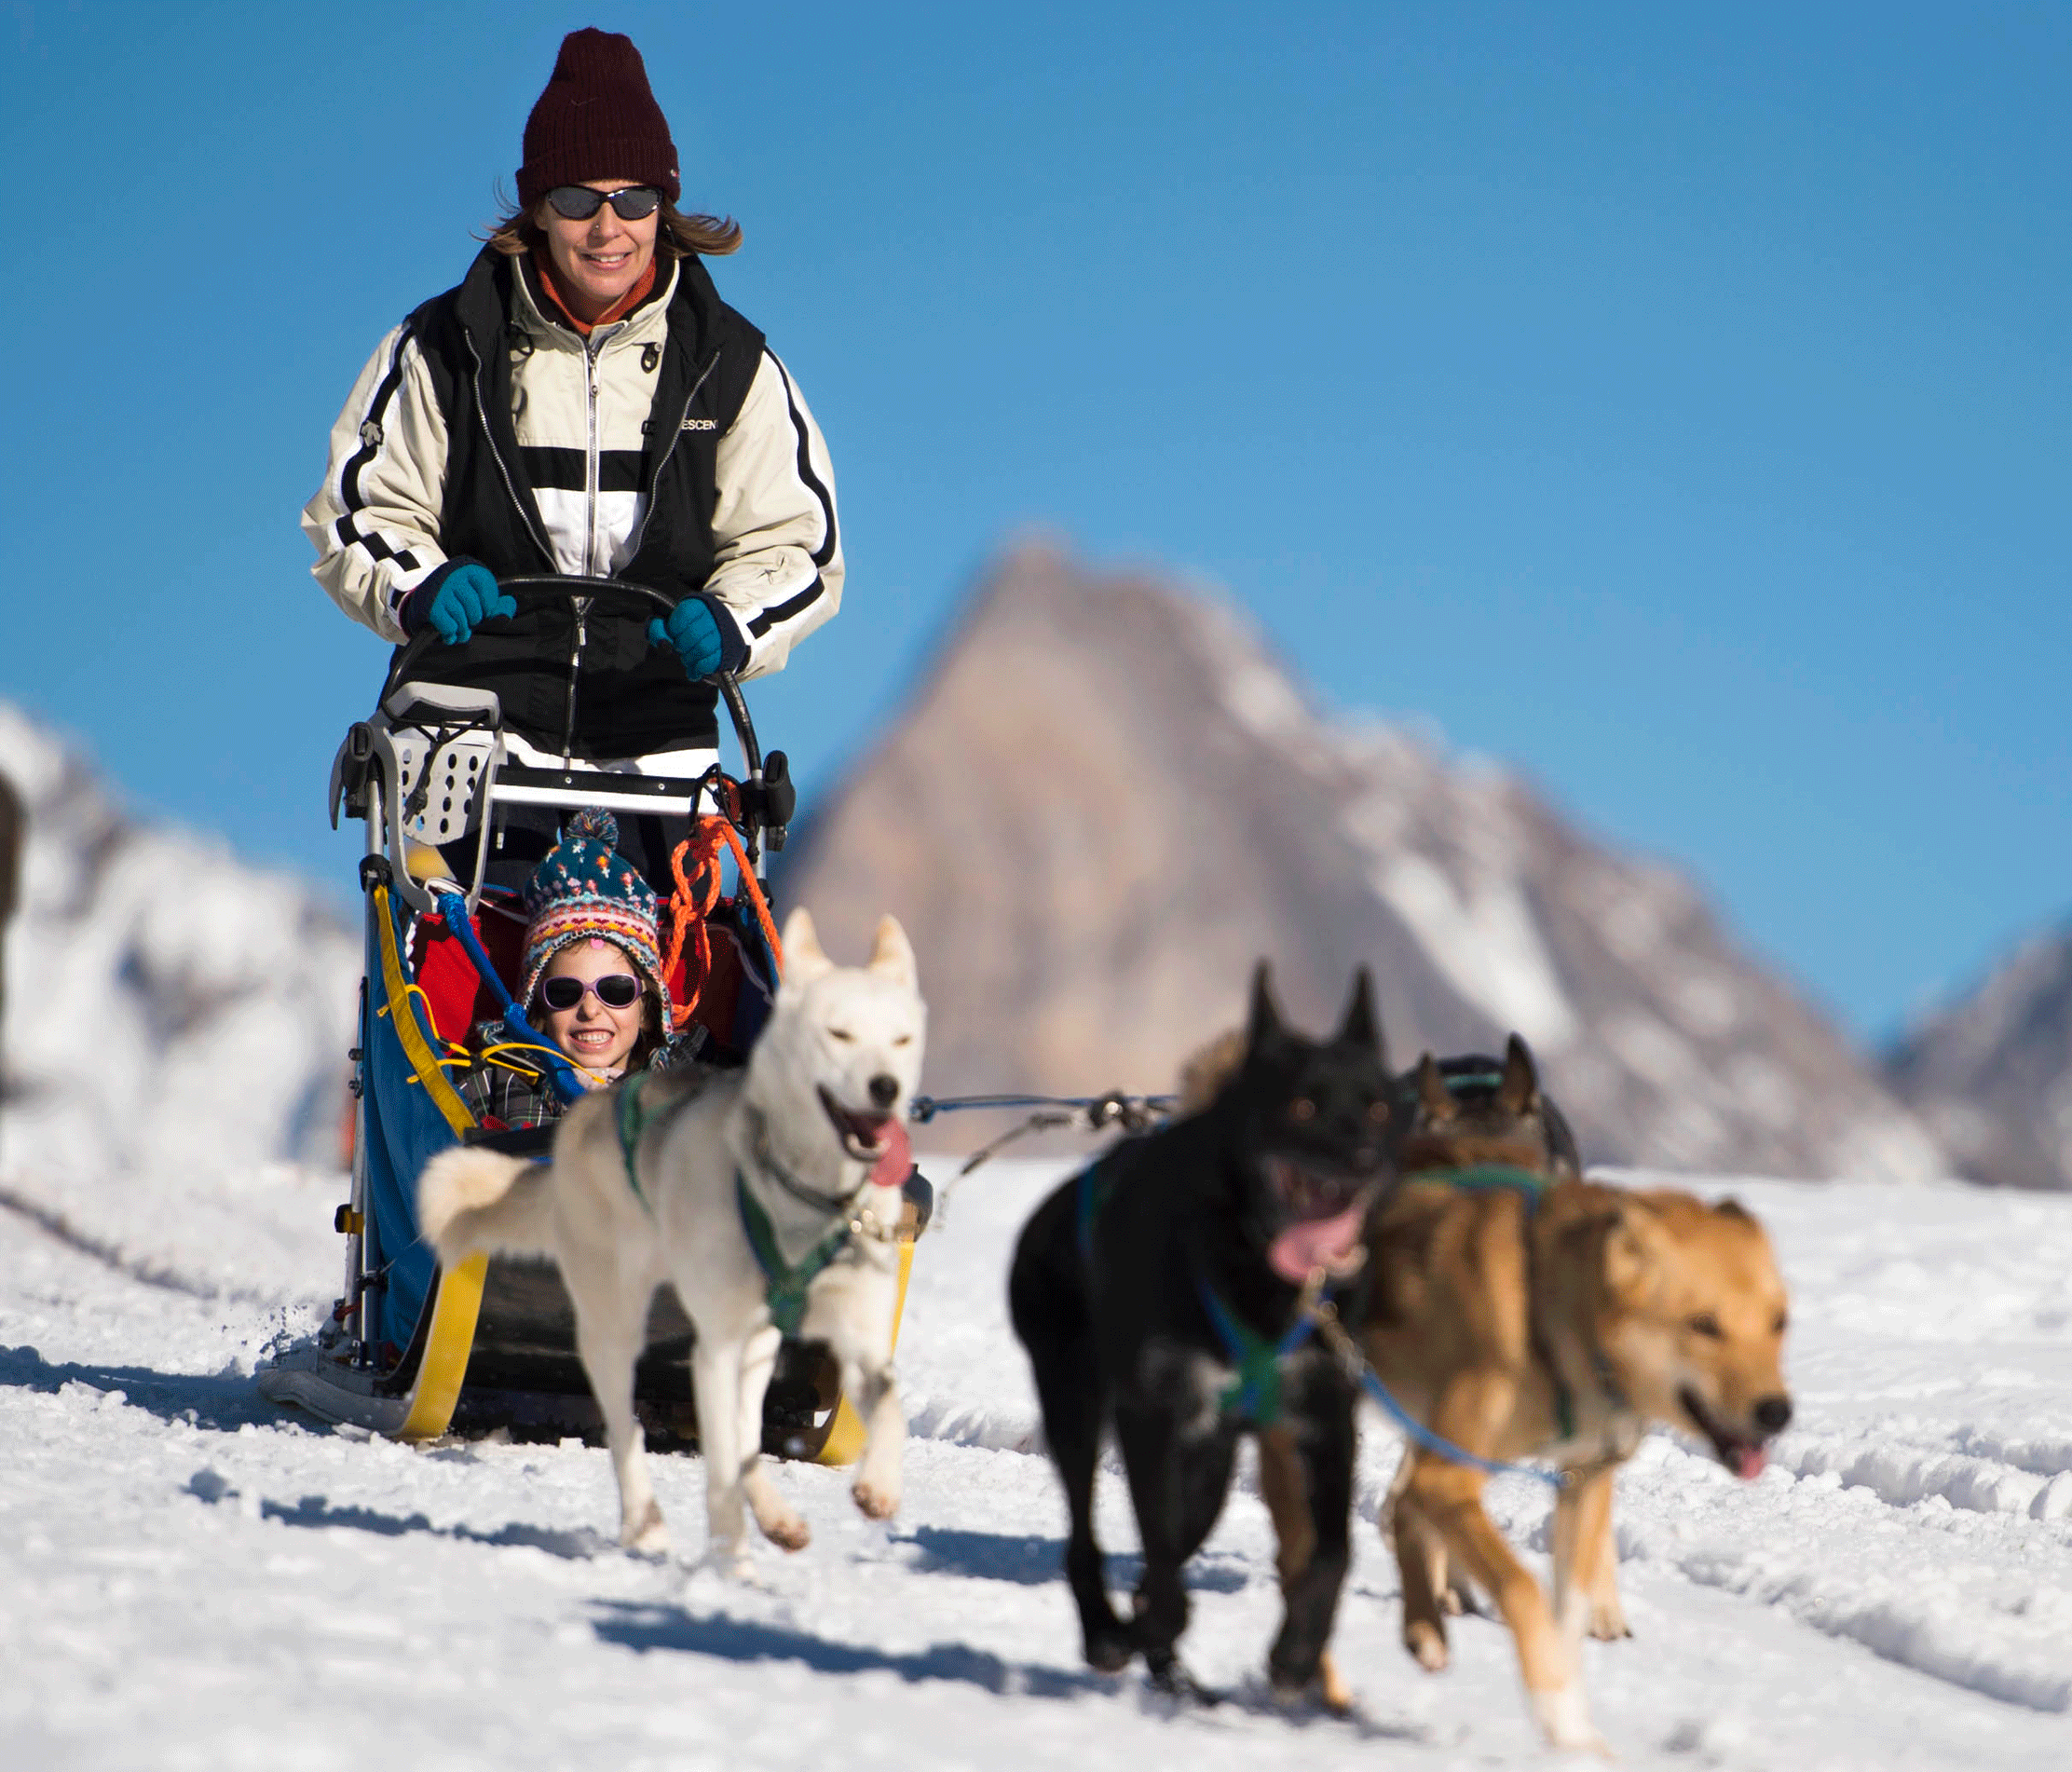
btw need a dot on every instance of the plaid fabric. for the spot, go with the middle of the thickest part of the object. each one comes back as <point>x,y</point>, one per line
<point>511,1092</point>
<point>499,1090</point>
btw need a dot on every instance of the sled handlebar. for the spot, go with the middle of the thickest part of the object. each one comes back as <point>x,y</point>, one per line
<point>575,588</point>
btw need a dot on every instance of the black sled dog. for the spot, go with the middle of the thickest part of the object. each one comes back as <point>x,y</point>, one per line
<point>1162,1291</point>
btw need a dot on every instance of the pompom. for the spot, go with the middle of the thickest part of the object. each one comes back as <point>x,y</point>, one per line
<point>596,824</point>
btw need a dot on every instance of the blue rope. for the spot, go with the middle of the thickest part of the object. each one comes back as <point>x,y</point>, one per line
<point>560,1072</point>
<point>1474,1177</point>
<point>1423,1436</point>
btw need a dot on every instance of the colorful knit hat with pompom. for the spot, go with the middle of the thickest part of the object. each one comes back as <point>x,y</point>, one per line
<point>584,888</point>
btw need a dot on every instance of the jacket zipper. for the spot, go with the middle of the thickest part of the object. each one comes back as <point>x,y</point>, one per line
<point>592,469</point>
<point>575,666</point>
<point>546,548</point>
<point>503,468</point>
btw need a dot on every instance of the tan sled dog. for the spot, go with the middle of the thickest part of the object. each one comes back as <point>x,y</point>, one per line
<point>750,1192</point>
<point>1555,1321</point>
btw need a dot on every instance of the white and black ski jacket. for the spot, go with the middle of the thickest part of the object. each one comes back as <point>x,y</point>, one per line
<point>670,447</point>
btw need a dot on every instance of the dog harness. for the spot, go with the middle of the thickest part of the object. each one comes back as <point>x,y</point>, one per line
<point>634,1116</point>
<point>1255,1393</point>
<point>784,1285</point>
<point>1530,1186</point>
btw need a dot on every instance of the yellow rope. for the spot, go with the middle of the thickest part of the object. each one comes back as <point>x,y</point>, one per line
<point>416,1048</point>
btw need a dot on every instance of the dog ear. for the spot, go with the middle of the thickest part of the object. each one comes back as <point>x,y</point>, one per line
<point>1360,1027</point>
<point>1632,1249</point>
<point>805,960</point>
<point>1205,1073</point>
<point>1519,1091</point>
<point>892,955</point>
<point>1264,1022</point>
<point>1433,1095</point>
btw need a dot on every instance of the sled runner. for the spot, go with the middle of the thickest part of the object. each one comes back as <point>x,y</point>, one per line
<point>412,1352</point>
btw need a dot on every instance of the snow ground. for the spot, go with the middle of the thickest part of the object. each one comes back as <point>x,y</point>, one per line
<point>190,1578</point>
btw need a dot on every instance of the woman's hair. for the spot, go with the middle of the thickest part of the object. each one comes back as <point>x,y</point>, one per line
<point>677,236</point>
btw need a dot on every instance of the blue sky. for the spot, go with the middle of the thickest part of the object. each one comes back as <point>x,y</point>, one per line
<point>1672,403</point>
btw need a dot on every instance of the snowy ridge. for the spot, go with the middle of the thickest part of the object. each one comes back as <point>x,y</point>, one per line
<point>1992,1073</point>
<point>170,1009</point>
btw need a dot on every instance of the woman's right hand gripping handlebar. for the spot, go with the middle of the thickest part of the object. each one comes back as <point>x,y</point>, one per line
<point>455,600</point>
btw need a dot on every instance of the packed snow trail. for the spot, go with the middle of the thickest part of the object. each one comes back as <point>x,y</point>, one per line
<point>193,1579</point>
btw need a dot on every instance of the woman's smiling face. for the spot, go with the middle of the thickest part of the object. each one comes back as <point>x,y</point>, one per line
<point>595,1035</point>
<point>599,260</point>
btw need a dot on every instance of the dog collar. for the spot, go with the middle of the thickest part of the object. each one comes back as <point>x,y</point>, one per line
<point>830,1204</point>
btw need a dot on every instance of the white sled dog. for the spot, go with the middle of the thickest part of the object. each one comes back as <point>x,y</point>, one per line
<point>750,1192</point>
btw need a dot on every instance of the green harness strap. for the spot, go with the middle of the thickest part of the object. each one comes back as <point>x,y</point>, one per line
<point>1489,1177</point>
<point>784,1287</point>
<point>1255,1392</point>
<point>632,1122</point>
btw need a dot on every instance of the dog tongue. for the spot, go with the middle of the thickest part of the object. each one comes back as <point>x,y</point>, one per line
<point>1748,1461</point>
<point>891,1168</point>
<point>1314,1243</point>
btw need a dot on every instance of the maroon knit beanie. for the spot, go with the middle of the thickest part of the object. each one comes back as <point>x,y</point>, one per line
<point>597,119</point>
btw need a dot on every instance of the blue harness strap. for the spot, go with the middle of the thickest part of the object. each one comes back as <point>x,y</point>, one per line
<point>1255,1393</point>
<point>1416,1432</point>
<point>1476,1178</point>
<point>560,1072</point>
<point>1094,1187</point>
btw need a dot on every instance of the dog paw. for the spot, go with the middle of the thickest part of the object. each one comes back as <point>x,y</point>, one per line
<point>1563,1715</point>
<point>645,1532</point>
<point>1426,1643</point>
<point>1608,1624</point>
<point>787,1532</point>
<point>1331,1690</point>
<point>1109,1650</point>
<point>1171,1680</point>
<point>878,1501</point>
<point>1326,1690</point>
<point>730,1564</point>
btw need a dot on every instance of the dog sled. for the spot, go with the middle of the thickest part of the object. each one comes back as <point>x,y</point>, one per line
<point>412,1352</point>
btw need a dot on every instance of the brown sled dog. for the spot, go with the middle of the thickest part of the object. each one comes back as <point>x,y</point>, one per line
<point>1547,1318</point>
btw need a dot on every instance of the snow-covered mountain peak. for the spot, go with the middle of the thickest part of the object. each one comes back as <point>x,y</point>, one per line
<point>1109,796</point>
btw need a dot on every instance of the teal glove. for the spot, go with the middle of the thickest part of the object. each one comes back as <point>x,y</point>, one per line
<point>455,600</point>
<point>704,636</point>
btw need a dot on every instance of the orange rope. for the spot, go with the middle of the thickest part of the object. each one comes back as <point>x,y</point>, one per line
<point>691,904</point>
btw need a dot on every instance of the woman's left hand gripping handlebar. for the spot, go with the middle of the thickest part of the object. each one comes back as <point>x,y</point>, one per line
<point>704,635</point>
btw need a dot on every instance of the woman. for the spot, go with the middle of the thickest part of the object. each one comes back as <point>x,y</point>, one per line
<point>591,980</point>
<point>583,402</point>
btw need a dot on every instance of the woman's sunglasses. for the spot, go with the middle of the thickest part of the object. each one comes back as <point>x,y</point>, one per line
<point>615,990</point>
<point>578,202</point>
